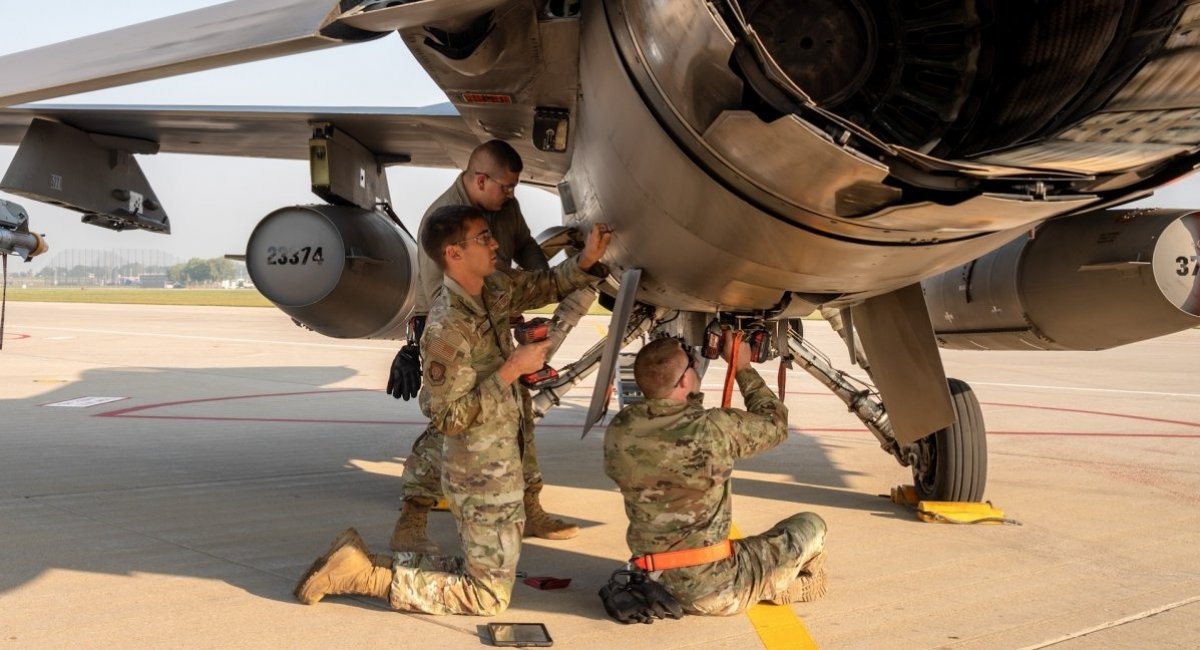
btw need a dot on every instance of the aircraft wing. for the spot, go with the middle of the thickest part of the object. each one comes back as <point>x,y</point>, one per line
<point>521,86</point>
<point>221,35</point>
<point>433,136</point>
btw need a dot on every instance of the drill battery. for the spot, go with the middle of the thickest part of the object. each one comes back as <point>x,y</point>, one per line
<point>536,379</point>
<point>535,331</point>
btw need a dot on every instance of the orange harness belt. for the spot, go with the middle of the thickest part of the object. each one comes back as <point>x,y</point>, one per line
<point>684,558</point>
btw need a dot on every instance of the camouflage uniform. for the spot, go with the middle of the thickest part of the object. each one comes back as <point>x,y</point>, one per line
<point>423,467</point>
<point>508,228</point>
<point>673,461</point>
<point>465,342</point>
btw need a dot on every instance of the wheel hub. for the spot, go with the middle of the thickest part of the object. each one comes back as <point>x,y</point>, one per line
<point>923,459</point>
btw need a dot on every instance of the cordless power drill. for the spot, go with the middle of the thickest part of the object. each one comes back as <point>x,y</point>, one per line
<point>535,331</point>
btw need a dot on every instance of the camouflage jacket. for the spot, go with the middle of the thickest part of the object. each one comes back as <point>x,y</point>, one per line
<point>508,227</point>
<point>465,342</point>
<point>673,461</point>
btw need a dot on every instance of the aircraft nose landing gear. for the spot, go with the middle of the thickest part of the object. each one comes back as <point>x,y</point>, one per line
<point>947,465</point>
<point>951,464</point>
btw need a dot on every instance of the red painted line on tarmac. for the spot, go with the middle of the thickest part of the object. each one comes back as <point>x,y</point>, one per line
<point>1060,409</point>
<point>124,413</point>
<point>14,336</point>
<point>136,413</point>
<point>218,418</point>
<point>1082,434</point>
<point>1095,434</point>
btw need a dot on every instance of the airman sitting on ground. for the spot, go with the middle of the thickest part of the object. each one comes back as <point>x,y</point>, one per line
<point>673,460</point>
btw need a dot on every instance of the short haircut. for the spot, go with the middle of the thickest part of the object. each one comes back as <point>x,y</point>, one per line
<point>501,155</point>
<point>447,225</point>
<point>658,367</point>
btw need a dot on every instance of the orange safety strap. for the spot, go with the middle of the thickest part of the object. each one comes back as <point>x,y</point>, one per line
<point>727,394</point>
<point>684,558</point>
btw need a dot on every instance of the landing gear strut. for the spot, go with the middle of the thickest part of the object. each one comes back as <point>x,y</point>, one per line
<point>947,465</point>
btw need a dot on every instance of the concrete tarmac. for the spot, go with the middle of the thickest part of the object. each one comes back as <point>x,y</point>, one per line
<point>182,514</point>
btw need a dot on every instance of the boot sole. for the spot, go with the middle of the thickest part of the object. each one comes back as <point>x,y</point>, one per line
<point>556,535</point>
<point>814,578</point>
<point>347,537</point>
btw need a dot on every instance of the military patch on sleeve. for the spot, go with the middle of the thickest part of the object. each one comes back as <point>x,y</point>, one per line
<point>437,373</point>
<point>441,350</point>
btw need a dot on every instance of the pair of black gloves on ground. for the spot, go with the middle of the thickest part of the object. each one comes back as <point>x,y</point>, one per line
<point>632,597</point>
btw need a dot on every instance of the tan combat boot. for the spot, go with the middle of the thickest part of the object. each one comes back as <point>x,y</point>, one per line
<point>348,568</point>
<point>540,524</point>
<point>811,583</point>
<point>409,534</point>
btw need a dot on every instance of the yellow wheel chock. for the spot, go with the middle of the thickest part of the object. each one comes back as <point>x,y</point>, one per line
<point>950,512</point>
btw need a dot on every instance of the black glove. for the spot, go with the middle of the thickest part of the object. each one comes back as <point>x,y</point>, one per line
<point>405,378</point>
<point>623,605</point>
<point>632,597</point>
<point>658,600</point>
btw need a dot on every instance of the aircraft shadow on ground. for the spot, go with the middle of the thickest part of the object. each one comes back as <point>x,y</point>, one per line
<point>179,492</point>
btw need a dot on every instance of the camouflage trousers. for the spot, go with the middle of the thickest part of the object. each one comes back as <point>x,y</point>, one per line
<point>423,467</point>
<point>761,568</point>
<point>480,583</point>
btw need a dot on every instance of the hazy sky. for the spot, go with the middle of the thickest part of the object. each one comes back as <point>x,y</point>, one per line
<point>215,202</point>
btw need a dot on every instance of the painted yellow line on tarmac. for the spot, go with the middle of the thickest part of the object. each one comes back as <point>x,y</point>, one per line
<point>777,626</point>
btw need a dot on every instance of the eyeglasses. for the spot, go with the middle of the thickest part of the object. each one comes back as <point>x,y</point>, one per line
<point>691,357</point>
<point>484,238</point>
<point>508,188</point>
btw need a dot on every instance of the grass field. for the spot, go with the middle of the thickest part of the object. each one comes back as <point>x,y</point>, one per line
<point>200,297</point>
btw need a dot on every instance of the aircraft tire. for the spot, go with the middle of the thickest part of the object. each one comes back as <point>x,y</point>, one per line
<point>958,453</point>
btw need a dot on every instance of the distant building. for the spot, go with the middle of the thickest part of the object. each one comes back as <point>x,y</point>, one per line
<point>153,280</point>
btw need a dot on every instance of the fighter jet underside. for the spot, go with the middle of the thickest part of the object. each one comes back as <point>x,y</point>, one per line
<point>939,173</point>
